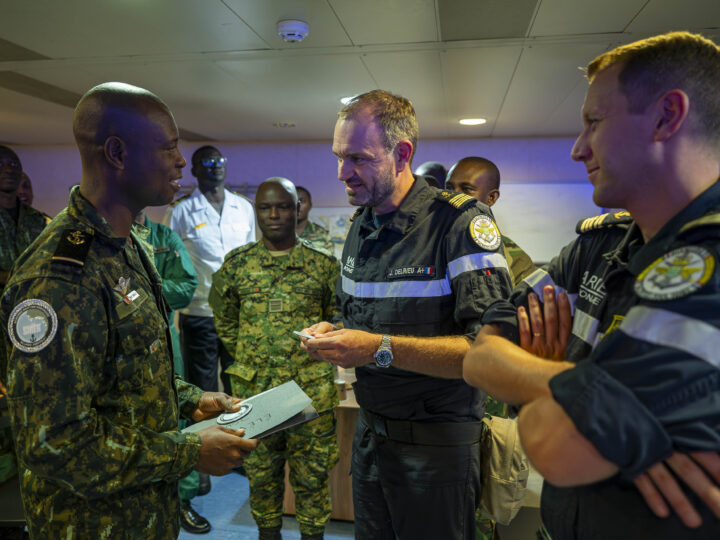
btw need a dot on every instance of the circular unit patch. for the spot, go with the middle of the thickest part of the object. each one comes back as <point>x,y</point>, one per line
<point>32,325</point>
<point>485,233</point>
<point>678,273</point>
<point>229,418</point>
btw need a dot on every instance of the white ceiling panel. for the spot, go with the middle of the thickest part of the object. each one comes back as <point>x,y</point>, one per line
<point>545,78</point>
<point>325,29</point>
<point>83,28</point>
<point>560,17</point>
<point>666,15</point>
<point>372,22</point>
<point>476,81</point>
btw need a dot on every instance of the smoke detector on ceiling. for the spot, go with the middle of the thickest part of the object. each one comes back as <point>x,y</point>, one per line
<point>292,31</point>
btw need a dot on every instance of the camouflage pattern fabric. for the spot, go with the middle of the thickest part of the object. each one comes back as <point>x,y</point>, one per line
<point>318,237</point>
<point>15,238</point>
<point>92,399</point>
<point>519,262</point>
<point>258,300</point>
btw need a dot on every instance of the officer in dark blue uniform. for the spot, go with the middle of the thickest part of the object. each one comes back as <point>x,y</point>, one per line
<point>420,269</point>
<point>644,291</point>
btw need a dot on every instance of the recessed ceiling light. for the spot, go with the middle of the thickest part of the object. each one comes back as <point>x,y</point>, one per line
<point>473,121</point>
<point>346,100</point>
<point>284,124</point>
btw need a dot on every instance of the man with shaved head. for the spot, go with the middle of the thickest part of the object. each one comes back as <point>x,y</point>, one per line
<point>480,178</point>
<point>91,394</point>
<point>262,292</point>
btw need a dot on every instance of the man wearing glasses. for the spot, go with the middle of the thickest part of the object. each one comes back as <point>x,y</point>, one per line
<point>211,222</point>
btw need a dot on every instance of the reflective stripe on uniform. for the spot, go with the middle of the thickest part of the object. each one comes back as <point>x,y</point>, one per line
<point>423,289</point>
<point>474,262</point>
<point>584,326</point>
<point>396,289</point>
<point>539,279</point>
<point>670,329</point>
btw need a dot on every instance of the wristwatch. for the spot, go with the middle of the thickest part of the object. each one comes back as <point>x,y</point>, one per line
<point>384,356</point>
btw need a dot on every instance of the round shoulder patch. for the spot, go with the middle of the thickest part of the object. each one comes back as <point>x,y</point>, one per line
<point>32,325</point>
<point>678,273</point>
<point>485,233</point>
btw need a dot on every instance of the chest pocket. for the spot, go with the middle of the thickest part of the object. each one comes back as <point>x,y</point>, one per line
<point>141,350</point>
<point>283,301</point>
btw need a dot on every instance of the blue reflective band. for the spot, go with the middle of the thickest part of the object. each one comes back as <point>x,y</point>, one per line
<point>670,329</point>
<point>539,279</point>
<point>424,289</point>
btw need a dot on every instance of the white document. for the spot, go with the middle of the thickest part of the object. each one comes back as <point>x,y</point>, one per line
<point>268,412</point>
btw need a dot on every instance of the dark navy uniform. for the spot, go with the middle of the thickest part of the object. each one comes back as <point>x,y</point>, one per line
<point>420,273</point>
<point>646,335</point>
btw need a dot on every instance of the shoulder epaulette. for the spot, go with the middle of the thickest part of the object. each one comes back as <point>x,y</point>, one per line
<point>455,199</point>
<point>248,199</point>
<point>603,221</point>
<point>706,220</point>
<point>179,200</point>
<point>239,250</point>
<point>356,213</point>
<point>73,247</point>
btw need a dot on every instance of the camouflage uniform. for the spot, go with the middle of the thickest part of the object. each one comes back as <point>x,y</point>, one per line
<point>14,239</point>
<point>258,300</point>
<point>519,262</point>
<point>93,404</point>
<point>318,237</point>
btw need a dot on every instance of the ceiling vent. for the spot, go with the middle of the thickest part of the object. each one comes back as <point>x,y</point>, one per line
<point>292,31</point>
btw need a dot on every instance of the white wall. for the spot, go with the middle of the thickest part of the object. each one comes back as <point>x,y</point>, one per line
<point>543,192</point>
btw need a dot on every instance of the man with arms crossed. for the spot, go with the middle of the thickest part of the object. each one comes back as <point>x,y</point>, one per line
<point>91,394</point>
<point>420,267</point>
<point>645,290</point>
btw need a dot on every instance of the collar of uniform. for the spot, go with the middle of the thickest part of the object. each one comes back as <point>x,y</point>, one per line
<point>665,237</point>
<point>294,259</point>
<point>82,210</point>
<point>404,216</point>
<point>142,231</point>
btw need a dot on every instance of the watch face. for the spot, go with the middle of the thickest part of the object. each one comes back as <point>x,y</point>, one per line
<point>383,358</point>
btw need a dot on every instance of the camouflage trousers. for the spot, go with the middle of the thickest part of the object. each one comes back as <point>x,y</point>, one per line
<point>485,527</point>
<point>310,450</point>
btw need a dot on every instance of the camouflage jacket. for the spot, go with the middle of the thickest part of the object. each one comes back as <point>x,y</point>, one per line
<point>92,399</point>
<point>258,300</point>
<point>519,262</point>
<point>318,237</point>
<point>15,238</point>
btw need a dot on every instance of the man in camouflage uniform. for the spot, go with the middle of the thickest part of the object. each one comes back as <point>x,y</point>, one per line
<point>262,292</point>
<point>91,393</point>
<point>19,223</point>
<point>318,236</point>
<point>480,178</point>
<point>19,226</point>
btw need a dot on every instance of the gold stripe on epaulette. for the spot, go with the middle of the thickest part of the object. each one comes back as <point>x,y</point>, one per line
<point>592,222</point>
<point>460,199</point>
<point>176,201</point>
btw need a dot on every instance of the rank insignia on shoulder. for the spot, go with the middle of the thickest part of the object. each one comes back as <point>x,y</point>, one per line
<point>180,199</point>
<point>484,232</point>
<point>678,273</point>
<point>457,200</point>
<point>603,220</point>
<point>32,325</point>
<point>73,247</point>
